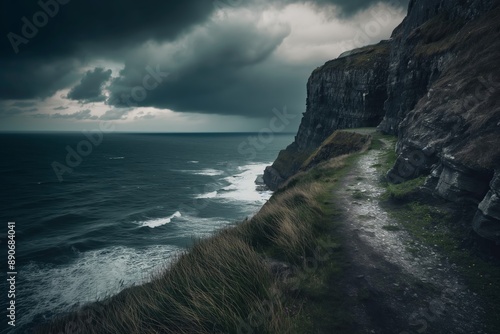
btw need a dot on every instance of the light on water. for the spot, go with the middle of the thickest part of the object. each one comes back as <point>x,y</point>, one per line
<point>123,214</point>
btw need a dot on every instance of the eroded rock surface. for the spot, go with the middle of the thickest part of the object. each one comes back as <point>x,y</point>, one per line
<point>436,85</point>
<point>348,92</point>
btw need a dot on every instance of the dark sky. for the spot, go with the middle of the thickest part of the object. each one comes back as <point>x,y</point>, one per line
<point>191,65</point>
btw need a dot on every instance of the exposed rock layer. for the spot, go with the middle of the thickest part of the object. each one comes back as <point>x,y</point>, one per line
<point>348,92</point>
<point>444,105</point>
<point>441,87</point>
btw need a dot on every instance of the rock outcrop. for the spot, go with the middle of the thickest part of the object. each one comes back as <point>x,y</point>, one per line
<point>445,106</point>
<point>421,50</point>
<point>436,85</point>
<point>487,217</point>
<point>348,92</point>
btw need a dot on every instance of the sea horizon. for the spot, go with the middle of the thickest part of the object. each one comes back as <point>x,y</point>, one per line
<point>124,211</point>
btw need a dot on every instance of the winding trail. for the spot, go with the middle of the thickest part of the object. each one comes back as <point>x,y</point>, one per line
<point>393,290</point>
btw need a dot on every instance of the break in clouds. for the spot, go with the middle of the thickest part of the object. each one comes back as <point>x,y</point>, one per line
<point>122,60</point>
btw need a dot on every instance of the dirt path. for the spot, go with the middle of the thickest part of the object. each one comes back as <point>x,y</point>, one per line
<point>391,289</point>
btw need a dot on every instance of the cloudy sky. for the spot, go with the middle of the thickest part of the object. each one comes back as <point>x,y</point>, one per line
<point>170,66</point>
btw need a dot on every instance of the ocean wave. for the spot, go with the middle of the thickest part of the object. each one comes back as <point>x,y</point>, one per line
<point>242,186</point>
<point>194,226</point>
<point>209,172</point>
<point>159,221</point>
<point>212,194</point>
<point>204,172</point>
<point>116,158</point>
<point>45,290</point>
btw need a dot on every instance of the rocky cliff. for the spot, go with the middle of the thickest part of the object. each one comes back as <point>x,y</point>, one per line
<point>347,92</point>
<point>444,105</point>
<point>441,97</point>
<point>421,51</point>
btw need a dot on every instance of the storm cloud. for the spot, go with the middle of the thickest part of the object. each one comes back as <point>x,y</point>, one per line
<point>43,46</point>
<point>225,57</point>
<point>351,7</point>
<point>216,69</point>
<point>62,27</point>
<point>90,87</point>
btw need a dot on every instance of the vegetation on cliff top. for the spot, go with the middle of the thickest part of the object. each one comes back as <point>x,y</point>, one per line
<point>277,272</point>
<point>339,143</point>
<point>227,284</point>
<point>359,58</point>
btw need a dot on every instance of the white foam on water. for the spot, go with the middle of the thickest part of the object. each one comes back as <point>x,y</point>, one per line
<point>243,187</point>
<point>116,158</point>
<point>193,162</point>
<point>94,275</point>
<point>205,172</point>
<point>212,194</point>
<point>152,223</point>
<point>209,172</point>
<point>198,227</point>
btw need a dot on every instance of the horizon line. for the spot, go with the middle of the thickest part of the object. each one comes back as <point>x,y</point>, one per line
<point>136,132</point>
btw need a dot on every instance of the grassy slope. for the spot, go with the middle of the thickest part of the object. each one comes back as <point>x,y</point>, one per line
<point>224,284</point>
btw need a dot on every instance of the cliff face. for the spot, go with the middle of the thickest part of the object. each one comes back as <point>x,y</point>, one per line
<point>449,125</point>
<point>347,92</point>
<point>442,99</point>
<point>419,53</point>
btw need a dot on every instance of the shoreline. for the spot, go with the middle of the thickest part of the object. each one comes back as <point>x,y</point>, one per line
<point>302,256</point>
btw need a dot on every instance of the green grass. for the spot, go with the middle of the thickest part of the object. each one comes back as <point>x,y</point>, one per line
<point>289,161</point>
<point>403,191</point>
<point>359,195</point>
<point>323,303</point>
<point>392,228</point>
<point>389,155</point>
<point>377,144</point>
<point>223,284</point>
<point>362,58</point>
<point>437,227</point>
<point>340,143</point>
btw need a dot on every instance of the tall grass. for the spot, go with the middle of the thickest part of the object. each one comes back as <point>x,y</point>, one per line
<point>222,284</point>
<point>286,225</point>
<point>218,283</point>
<point>209,289</point>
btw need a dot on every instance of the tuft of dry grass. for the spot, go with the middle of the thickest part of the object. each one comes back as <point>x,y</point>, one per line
<point>223,284</point>
<point>286,225</point>
<point>339,143</point>
<point>209,289</point>
<point>221,280</point>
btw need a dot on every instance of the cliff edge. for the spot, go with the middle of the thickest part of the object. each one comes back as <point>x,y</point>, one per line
<point>348,92</point>
<point>436,85</point>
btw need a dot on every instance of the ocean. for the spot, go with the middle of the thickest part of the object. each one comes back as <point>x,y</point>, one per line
<point>94,217</point>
